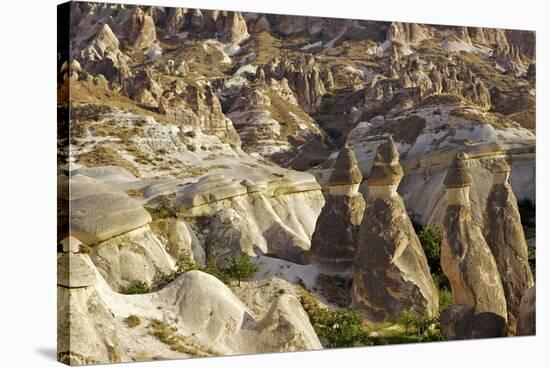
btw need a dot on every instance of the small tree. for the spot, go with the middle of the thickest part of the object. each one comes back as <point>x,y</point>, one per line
<point>241,268</point>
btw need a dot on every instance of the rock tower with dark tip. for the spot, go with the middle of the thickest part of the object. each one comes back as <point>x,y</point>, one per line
<point>479,305</point>
<point>391,273</point>
<point>504,235</point>
<point>335,237</point>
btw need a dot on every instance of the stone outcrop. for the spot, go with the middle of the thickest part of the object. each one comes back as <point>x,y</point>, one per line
<point>181,237</point>
<point>334,240</point>
<point>270,212</point>
<point>235,30</point>
<point>200,107</point>
<point>136,256</point>
<point>102,55</point>
<point>304,77</point>
<point>467,261</point>
<point>197,311</point>
<point>504,235</point>
<point>527,318</point>
<point>391,272</point>
<point>405,34</point>
<point>86,328</point>
<point>99,213</point>
<point>141,29</point>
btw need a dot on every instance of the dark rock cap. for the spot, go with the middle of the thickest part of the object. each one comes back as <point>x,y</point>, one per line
<point>500,166</point>
<point>458,174</point>
<point>346,171</point>
<point>386,169</point>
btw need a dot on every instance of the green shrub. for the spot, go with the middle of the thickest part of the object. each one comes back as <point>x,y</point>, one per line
<point>425,328</point>
<point>340,328</point>
<point>430,239</point>
<point>532,258</point>
<point>137,287</point>
<point>445,298</point>
<point>241,268</point>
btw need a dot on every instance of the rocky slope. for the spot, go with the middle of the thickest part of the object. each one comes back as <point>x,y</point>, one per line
<point>218,134</point>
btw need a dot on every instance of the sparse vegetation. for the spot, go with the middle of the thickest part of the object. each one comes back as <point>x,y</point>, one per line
<point>132,321</point>
<point>168,334</point>
<point>237,268</point>
<point>137,287</point>
<point>241,268</point>
<point>340,329</point>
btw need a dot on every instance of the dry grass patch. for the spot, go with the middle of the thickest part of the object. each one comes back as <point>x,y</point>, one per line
<point>132,321</point>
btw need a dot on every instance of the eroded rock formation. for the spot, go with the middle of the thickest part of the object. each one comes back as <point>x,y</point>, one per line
<point>391,272</point>
<point>334,240</point>
<point>504,235</point>
<point>468,263</point>
<point>527,318</point>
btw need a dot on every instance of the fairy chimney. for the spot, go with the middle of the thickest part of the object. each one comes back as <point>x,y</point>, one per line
<point>467,261</point>
<point>335,237</point>
<point>391,273</point>
<point>504,235</point>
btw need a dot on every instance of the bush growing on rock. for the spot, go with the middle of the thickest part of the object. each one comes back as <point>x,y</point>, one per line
<point>138,287</point>
<point>241,268</point>
<point>236,268</point>
<point>340,329</point>
<point>430,239</point>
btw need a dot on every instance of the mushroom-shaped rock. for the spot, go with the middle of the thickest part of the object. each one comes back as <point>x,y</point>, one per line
<point>334,240</point>
<point>504,235</point>
<point>386,170</point>
<point>391,272</point>
<point>466,259</point>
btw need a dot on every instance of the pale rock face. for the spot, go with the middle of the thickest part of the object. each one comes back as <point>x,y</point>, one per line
<point>466,259</point>
<point>103,56</point>
<point>74,270</point>
<point>85,326</point>
<point>131,257</point>
<point>504,235</point>
<point>100,212</point>
<point>86,332</point>
<point>181,237</point>
<point>287,324</point>
<point>141,29</point>
<point>265,214</point>
<point>391,272</point>
<point>527,319</point>
<point>235,29</point>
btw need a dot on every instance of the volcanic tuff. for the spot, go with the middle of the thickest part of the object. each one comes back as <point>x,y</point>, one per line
<point>211,133</point>
<point>391,273</point>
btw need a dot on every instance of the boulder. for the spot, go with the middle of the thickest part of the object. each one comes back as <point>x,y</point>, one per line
<point>463,322</point>
<point>504,235</point>
<point>527,318</point>
<point>466,259</point>
<point>99,212</point>
<point>391,272</point>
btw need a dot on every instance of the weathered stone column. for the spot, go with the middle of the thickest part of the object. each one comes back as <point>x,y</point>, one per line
<point>391,272</point>
<point>479,306</point>
<point>335,237</point>
<point>504,235</point>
